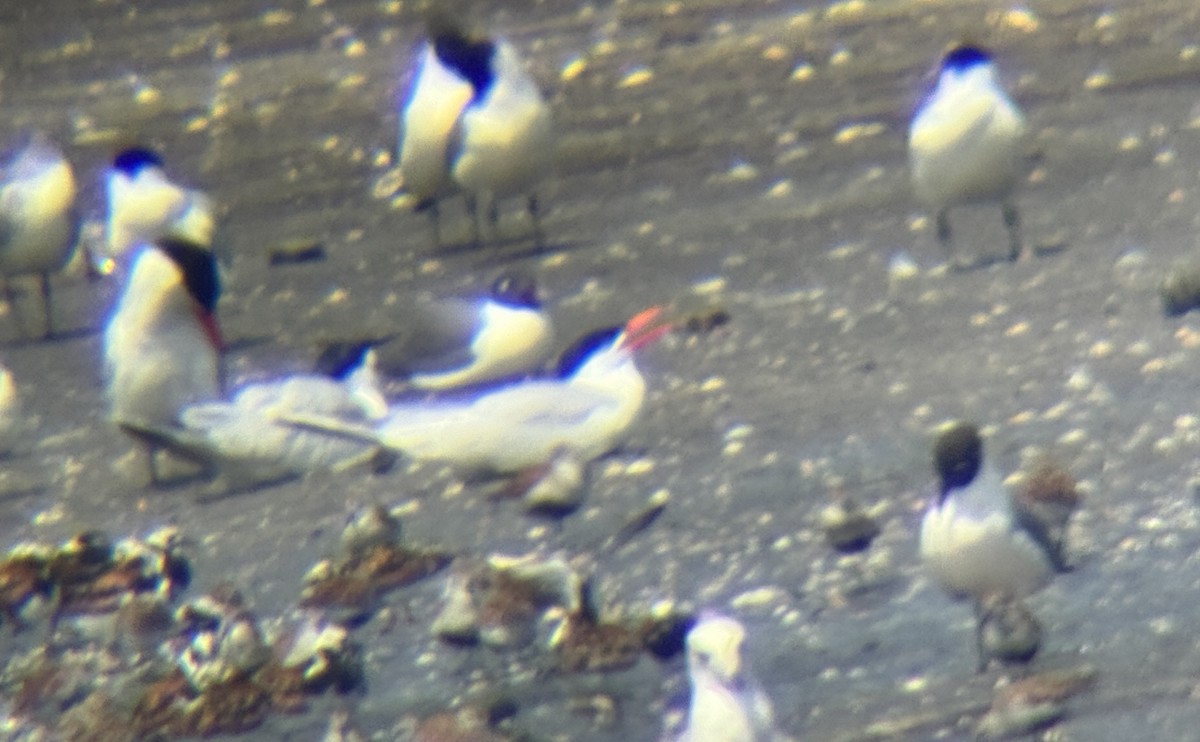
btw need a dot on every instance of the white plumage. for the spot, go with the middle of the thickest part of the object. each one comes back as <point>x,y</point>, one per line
<point>971,540</point>
<point>38,221</point>
<point>727,703</point>
<point>964,144</point>
<point>161,344</point>
<point>145,205</point>
<point>588,410</point>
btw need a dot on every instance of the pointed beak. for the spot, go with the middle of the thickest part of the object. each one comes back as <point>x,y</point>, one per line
<point>641,329</point>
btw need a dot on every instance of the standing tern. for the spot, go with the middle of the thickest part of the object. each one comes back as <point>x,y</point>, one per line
<point>145,205</point>
<point>964,145</point>
<point>476,121</point>
<point>588,409</point>
<point>39,225</point>
<point>162,343</point>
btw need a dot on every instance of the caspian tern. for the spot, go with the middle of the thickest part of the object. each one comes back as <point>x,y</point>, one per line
<point>964,145</point>
<point>162,344</point>
<point>39,225</point>
<point>145,205</point>
<point>589,408</point>
<point>451,343</point>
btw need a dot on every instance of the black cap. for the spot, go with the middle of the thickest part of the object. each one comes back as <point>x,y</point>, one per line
<point>957,456</point>
<point>963,58</point>
<point>516,289</point>
<point>579,352</point>
<point>132,160</point>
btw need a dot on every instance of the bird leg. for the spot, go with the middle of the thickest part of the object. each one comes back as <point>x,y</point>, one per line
<point>945,239</point>
<point>539,237</point>
<point>44,279</point>
<point>1012,220</point>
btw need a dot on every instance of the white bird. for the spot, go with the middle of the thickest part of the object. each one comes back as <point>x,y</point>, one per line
<point>162,343</point>
<point>247,438</point>
<point>972,540</point>
<point>145,205</point>
<point>431,112</point>
<point>13,421</point>
<point>452,343</point>
<point>39,224</point>
<point>964,145</point>
<point>727,703</point>
<point>588,409</point>
<point>475,120</point>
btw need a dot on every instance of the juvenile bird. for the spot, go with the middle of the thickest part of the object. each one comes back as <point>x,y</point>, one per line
<point>964,144</point>
<point>727,703</point>
<point>39,224</point>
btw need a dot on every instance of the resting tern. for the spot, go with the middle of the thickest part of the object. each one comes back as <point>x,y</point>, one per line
<point>964,144</point>
<point>162,343</point>
<point>588,409</point>
<point>144,205</point>
<point>39,224</point>
<point>245,437</point>
<point>452,343</point>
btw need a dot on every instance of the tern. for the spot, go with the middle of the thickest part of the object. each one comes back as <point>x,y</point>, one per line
<point>39,224</point>
<point>452,343</point>
<point>588,408</point>
<point>964,145</point>
<point>474,121</point>
<point>145,205</point>
<point>246,437</point>
<point>162,343</point>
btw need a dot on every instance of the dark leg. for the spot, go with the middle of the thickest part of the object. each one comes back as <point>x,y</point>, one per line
<point>1012,220</point>
<point>10,296</point>
<point>539,238</point>
<point>944,237</point>
<point>473,211</point>
<point>436,222</point>
<point>44,279</point>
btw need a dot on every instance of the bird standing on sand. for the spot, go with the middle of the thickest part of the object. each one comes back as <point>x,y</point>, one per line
<point>978,544</point>
<point>972,540</point>
<point>162,344</point>
<point>964,144</point>
<point>39,225</point>
<point>475,121</point>
<point>145,205</point>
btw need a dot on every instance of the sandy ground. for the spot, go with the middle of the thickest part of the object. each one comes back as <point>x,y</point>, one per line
<point>746,154</point>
